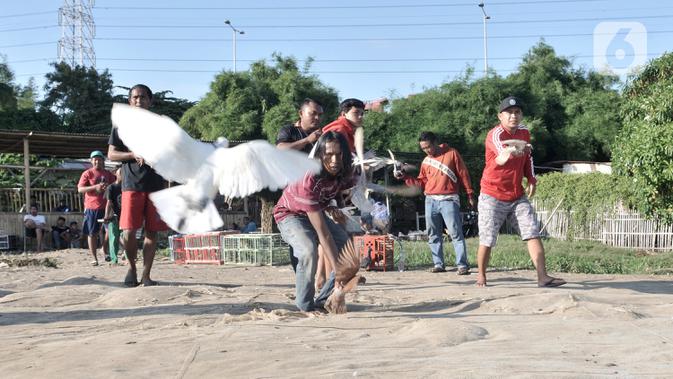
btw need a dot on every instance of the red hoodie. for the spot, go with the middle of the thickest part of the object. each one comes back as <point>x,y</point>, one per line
<point>440,173</point>
<point>505,182</point>
<point>343,126</point>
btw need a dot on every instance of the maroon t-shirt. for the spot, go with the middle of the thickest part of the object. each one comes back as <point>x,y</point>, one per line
<point>311,194</point>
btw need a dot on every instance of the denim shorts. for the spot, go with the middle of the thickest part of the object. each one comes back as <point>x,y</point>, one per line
<point>90,225</point>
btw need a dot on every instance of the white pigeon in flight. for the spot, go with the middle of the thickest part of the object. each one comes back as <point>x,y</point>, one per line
<point>204,169</point>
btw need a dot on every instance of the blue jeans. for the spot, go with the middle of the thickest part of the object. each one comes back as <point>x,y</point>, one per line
<point>449,211</point>
<point>298,232</point>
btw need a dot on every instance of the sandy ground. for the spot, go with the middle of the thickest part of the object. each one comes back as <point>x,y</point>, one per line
<point>78,321</point>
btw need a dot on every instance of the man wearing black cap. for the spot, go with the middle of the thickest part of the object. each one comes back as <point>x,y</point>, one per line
<point>508,160</point>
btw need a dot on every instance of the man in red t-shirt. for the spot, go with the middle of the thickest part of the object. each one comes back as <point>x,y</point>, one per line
<point>442,174</point>
<point>92,184</point>
<point>508,161</point>
<point>300,215</point>
<point>351,114</point>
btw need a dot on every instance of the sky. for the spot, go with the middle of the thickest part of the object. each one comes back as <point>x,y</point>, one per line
<point>363,49</point>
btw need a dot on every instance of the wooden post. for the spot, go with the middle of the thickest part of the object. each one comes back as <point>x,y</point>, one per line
<point>26,169</point>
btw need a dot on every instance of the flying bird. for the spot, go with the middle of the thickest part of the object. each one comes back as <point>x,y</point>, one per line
<point>347,267</point>
<point>204,169</point>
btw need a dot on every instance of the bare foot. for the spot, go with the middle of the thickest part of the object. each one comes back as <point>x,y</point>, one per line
<point>147,282</point>
<point>551,282</point>
<point>131,279</point>
<point>481,280</point>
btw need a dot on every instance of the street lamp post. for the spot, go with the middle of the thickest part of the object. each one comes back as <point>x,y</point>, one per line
<point>486,17</point>
<point>235,32</point>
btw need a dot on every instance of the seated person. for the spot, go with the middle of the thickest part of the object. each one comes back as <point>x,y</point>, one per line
<point>62,207</point>
<point>60,234</point>
<point>35,225</point>
<point>75,235</point>
<point>250,225</point>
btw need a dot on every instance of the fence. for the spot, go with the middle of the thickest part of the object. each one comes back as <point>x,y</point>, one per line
<point>621,228</point>
<point>13,199</point>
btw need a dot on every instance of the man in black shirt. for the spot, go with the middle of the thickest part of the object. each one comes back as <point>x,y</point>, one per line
<point>138,181</point>
<point>303,133</point>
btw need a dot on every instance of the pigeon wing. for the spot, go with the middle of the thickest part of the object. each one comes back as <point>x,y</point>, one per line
<point>348,263</point>
<point>162,143</point>
<point>250,167</point>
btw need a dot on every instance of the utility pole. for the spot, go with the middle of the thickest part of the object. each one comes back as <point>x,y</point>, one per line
<point>75,47</point>
<point>235,32</point>
<point>486,17</point>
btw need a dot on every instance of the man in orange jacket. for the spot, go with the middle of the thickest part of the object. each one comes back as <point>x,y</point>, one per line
<point>351,114</point>
<point>442,174</point>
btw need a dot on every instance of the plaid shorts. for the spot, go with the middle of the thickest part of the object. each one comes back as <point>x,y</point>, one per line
<point>493,212</point>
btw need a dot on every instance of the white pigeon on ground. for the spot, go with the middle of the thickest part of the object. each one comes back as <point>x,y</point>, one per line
<point>204,168</point>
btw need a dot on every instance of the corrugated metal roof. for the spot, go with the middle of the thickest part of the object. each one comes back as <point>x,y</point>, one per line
<point>59,145</point>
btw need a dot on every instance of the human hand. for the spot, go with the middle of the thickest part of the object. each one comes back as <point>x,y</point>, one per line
<point>140,160</point>
<point>470,199</point>
<point>314,136</point>
<point>336,214</point>
<point>530,190</point>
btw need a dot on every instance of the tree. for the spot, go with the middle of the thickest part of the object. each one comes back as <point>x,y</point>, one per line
<point>81,97</point>
<point>173,107</point>
<point>17,105</point>
<point>26,97</point>
<point>571,113</point>
<point>643,152</point>
<point>255,104</point>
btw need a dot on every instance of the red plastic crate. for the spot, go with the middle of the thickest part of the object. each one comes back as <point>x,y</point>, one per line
<point>202,248</point>
<point>177,246</point>
<point>380,250</point>
<point>203,255</point>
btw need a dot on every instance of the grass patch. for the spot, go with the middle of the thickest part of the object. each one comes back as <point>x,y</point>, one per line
<point>24,262</point>
<point>582,257</point>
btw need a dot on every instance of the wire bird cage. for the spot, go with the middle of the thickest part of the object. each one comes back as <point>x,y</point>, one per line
<point>255,249</point>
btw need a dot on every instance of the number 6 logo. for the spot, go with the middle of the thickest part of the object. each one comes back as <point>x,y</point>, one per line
<point>619,47</point>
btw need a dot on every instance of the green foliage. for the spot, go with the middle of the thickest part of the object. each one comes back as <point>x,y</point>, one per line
<point>572,113</point>
<point>173,107</point>
<point>81,97</point>
<point>14,178</point>
<point>581,257</point>
<point>643,151</point>
<point>257,103</point>
<point>582,195</point>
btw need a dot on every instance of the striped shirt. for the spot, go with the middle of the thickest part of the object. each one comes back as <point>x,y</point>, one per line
<point>505,182</point>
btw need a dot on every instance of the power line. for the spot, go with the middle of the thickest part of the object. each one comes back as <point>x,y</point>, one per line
<point>367,39</point>
<point>362,60</point>
<point>344,60</point>
<point>28,44</point>
<point>310,72</point>
<point>28,28</point>
<point>323,26</point>
<point>358,6</point>
<point>25,14</point>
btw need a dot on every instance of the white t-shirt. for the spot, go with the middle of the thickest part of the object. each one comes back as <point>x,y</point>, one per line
<point>39,219</point>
